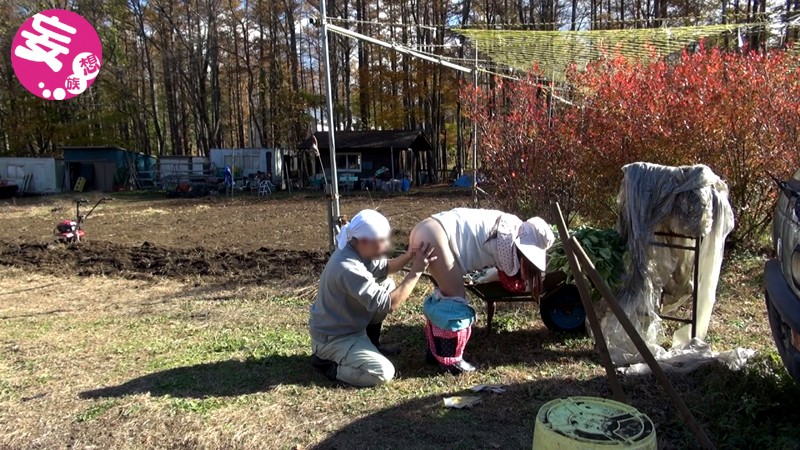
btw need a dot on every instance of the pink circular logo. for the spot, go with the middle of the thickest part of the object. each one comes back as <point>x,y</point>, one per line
<point>56,54</point>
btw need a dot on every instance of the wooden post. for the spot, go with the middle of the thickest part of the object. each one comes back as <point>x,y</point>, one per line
<point>641,345</point>
<point>591,314</point>
<point>391,153</point>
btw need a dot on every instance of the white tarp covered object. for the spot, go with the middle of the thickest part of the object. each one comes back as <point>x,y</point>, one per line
<point>691,355</point>
<point>44,180</point>
<point>690,201</point>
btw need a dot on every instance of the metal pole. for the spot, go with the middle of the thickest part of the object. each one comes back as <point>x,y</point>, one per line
<point>398,48</point>
<point>695,281</point>
<point>333,196</point>
<point>475,139</point>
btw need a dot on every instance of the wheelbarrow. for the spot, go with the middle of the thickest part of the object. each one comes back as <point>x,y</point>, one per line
<point>559,305</point>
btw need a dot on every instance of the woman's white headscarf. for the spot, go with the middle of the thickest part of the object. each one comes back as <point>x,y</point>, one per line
<point>367,224</point>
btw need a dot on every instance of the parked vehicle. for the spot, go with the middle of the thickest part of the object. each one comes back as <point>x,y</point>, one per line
<point>782,276</point>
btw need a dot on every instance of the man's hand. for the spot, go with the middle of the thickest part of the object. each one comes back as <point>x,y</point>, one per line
<point>422,257</point>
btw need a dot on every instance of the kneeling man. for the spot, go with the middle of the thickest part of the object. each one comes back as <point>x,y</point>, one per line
<point>355,296</point>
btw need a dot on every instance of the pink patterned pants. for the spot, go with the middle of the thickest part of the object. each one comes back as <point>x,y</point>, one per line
<point>447,346</point>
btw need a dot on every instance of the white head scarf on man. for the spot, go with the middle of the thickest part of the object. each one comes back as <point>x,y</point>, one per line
<point>367,224</point>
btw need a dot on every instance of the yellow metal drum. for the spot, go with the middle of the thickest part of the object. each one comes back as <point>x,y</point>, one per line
<point>590,423</point>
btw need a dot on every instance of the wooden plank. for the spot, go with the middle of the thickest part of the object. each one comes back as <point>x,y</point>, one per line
<point>591,314</point>
<point>641,345</point>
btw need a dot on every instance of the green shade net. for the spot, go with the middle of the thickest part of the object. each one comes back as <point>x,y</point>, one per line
<point>554,51</point>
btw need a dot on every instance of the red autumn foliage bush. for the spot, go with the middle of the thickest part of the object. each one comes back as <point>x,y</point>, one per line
<point>528,153</point>
<point>738,113</point>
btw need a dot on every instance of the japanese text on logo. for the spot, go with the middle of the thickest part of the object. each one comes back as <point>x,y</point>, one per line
<point>56,54</point>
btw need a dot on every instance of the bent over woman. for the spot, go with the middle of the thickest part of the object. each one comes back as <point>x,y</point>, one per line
<point>466,240</point>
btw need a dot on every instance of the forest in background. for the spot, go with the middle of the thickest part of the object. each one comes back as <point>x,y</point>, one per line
<point>182,76</point>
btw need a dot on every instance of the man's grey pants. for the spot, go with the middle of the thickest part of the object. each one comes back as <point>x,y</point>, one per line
<point>359,361</point>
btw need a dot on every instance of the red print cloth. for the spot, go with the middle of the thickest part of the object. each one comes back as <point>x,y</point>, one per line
<point>513,284</point>
<point>447,346</point>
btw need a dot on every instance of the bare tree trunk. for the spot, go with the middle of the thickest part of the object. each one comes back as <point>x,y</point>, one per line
<point>574,15</point>
<point>215,134</point>
<point>148,63</point>
<point>363,68</point>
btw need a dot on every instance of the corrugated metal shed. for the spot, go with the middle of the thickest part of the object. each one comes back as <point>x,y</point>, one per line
<point>404,153</point>
<point>106,167</point>
<point>43,172</point>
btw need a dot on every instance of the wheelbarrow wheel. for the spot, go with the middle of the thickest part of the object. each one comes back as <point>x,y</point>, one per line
<point>562,310</point>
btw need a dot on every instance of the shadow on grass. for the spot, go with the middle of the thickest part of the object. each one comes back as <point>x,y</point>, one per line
<point>525,347</point>
<point>499,421</point>
<point>240,377</point>
<point>218,379</point>
<point>752,408</point>
<point>38,314</point>
<point>34,288</point>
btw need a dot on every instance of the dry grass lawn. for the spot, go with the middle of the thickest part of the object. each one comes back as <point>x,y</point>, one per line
<point>109,362</point>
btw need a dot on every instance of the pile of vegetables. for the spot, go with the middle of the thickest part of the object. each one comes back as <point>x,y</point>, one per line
<point>603,246</point>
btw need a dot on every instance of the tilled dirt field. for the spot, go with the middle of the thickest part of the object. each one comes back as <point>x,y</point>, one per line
<point>146,261</point>
<point>244,239</point>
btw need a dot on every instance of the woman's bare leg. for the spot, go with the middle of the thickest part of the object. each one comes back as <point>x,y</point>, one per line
<point>444,270</point>
<point>445,346</point>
